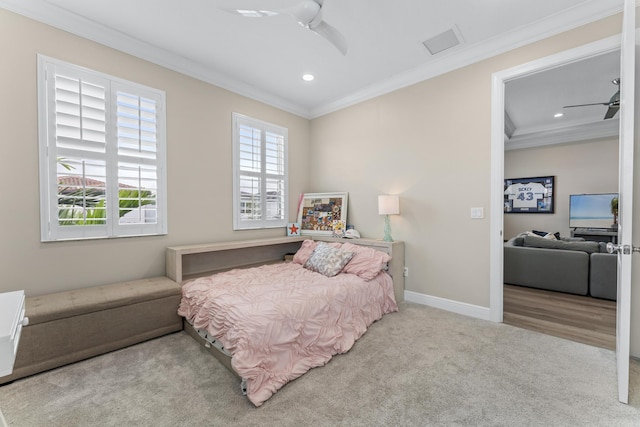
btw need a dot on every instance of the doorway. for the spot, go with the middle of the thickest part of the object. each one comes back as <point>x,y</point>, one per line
<point>501,80</point>
<point>579,147</point>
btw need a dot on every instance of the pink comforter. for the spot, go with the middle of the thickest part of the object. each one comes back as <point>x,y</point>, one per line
<point>278,321</point>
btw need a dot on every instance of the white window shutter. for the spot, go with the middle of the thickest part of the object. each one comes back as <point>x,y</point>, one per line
<point>101,155</point>
<point>260,174</point>
<point>137,162</point>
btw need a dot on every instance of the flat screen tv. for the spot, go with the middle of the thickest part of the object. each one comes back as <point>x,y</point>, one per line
<point>591,210</point>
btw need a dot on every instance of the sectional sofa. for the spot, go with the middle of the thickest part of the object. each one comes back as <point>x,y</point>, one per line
<point>567,265</point>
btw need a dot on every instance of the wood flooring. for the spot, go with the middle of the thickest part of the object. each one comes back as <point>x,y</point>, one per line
<point>578,318</point>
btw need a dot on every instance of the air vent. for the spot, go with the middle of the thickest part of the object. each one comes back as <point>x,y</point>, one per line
<point>442,41</point>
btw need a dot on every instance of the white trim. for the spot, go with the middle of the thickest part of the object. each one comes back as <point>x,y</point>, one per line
<point>238,224</point>
<point>582,14</point>
<point>58,17</point>
<point>496,218</point>
<point>497,153</point>
<point>575,133</point>
<point>569,19</point>
<point>628,92</point>
<point>449,305</point>
<point>48,151</point>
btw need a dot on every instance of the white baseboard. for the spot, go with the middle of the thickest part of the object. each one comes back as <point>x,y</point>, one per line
<point>449,305</point>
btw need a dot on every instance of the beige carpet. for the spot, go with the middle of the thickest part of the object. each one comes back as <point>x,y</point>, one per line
<point>419,367</point>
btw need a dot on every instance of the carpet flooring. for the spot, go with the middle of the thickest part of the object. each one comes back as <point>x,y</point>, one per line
<point>419,367</point>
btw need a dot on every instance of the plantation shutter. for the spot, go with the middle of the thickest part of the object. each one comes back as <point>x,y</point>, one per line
<point>274,186</point>
<point>101,155</point>
<point>137,161</point>
<point>77,116</point>
<point>260,176</point>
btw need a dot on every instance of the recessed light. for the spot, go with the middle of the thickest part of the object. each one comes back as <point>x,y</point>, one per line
<point>308,77</point>
<point>558,115</point>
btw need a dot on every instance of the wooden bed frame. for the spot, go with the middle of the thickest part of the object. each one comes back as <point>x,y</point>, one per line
<point>192,261</point>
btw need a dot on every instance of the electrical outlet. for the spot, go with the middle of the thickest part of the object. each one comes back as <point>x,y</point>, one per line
<point>405,273</point>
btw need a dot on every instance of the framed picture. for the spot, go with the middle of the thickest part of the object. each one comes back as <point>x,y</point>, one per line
<point>529,195</point>
<point>293,229</point>
<point>319,213</point>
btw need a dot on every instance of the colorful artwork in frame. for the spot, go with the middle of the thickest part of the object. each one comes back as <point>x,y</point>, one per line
<point>318,212</point>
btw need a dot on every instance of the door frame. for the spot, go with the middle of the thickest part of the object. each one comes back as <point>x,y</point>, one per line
<point>498,81</point>
<point>628,92</point>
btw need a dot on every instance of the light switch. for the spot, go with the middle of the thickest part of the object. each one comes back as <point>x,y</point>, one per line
<point>477,213</point>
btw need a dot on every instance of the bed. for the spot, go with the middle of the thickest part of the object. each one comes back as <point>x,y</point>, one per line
<point>272,323</point>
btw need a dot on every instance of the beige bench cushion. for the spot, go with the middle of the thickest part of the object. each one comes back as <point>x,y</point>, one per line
<point>62,305</point>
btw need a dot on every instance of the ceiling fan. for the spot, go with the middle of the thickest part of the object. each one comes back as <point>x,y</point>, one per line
<point>308,13</point>
<point>613,103</point>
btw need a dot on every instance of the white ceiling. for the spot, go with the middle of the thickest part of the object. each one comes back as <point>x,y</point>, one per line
<point>264,58</point>
<point>532,101</point>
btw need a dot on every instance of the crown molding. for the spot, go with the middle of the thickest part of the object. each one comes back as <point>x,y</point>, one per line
<point>463,56</point>
<point>43,11</point>
<point>509,127</point>
<point>576,133</point>
<point>47,13</point>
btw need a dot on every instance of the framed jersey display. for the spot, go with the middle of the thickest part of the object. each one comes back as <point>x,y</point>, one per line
<point>529,195</point>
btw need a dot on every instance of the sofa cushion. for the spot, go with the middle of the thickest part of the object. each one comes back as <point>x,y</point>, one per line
<point>541,242</point>
<point>603,276</point>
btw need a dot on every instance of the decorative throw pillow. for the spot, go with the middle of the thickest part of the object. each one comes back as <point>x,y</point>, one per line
<point>539,233</point>
<point>550,236</point>
<point>366,263</point>
<point>328,260</point>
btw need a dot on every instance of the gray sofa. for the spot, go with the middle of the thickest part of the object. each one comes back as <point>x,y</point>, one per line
<point>568,265</point>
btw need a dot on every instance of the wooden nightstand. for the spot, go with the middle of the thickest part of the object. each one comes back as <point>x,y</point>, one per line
<point>11,322</point>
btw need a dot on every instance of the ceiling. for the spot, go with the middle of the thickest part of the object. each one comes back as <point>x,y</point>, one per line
<point>532,101</point>
<point>265,58</point>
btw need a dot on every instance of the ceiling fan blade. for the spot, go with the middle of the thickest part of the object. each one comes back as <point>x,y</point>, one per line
<point>611,111</point>
<point>308,13</point>
<point>615,99</point>
<point>586,105</point>
<point>331,34</point>
<point>252,13</point>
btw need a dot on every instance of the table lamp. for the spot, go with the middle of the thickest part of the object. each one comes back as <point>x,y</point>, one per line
<point>388,205</point>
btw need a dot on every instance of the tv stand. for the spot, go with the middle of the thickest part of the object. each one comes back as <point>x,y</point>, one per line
<point>596,234</point>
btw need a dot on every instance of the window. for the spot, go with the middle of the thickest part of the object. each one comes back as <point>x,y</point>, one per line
<point>260,174</point>
<point>102,155</point>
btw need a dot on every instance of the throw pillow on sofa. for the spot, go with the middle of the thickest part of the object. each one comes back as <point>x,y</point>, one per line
<point>541,242</point>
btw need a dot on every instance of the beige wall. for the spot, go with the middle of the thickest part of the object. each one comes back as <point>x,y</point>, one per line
<point>199,165</point>
<point>587,167</point>
<point>430,143</point>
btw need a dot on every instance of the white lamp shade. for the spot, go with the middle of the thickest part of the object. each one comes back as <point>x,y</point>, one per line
<point>388,205</point>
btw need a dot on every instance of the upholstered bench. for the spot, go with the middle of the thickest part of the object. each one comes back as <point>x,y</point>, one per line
<point>70,326</point>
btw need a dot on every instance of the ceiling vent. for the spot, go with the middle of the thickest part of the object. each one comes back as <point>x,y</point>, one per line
<point>442,41</point>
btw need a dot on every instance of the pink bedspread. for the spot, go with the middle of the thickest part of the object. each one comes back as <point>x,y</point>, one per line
<point>278,321</point>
